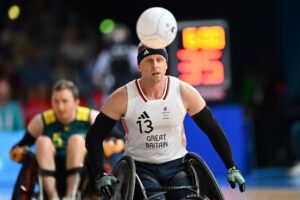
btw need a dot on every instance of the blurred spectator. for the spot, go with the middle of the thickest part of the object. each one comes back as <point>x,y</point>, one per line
<point>117,63</point>
<point>262,95</point>
<point>11,117</point>
<point>91,94</point>
<point>62,69</point>
<point>73,46</point>
<point>38,100</point>
<point>34,70</point>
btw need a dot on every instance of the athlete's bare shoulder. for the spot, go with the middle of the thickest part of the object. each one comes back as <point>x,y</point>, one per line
<point>186,90</point>
<point>116,104</point>
<point>192,99</point>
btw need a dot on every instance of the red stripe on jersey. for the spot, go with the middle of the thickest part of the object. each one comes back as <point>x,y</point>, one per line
<point>139,91</point>
<point>168,88</point>
<point>125,128</point>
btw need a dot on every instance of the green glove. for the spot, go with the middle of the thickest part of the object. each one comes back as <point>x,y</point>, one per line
<point>234,176</point>
<point>104,185</point>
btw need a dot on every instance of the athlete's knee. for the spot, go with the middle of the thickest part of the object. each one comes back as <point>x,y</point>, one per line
<point>76,140</point>
<point>149,181</point>
<point>182,179</point>
<point>44,142</point>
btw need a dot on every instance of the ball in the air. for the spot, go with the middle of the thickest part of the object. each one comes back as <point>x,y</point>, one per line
<point>156,27</point>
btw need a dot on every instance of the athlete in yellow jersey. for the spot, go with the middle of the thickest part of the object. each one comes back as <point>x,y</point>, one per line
<point>57,132</point>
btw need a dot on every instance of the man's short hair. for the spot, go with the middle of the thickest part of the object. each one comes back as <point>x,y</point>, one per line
<point>68,85</point>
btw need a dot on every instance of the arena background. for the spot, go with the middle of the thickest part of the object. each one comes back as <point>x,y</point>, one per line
<point>262,102</point>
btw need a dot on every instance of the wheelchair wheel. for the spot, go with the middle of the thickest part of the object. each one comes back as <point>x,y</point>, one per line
<point>124,170</point>
<point>26,181</point>
<point>202,177</point>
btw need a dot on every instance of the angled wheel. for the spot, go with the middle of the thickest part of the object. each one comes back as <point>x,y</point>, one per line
<point>124,170</point>
<point>27,179</point>
<point>202,177</point>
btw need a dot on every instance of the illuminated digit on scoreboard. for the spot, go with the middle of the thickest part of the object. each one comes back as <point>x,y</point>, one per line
<point>200,59</point>
<point>206,37</point>
<point>200,67</point>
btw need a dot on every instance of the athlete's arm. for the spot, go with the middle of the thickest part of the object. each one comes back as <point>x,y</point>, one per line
<point>36,125</point>
<point>205,120</point>
<point>33,130</point>
<point>113,109</point>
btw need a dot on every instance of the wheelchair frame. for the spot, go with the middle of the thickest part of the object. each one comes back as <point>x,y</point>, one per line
<point>29,182</point>
<point>204,185</point>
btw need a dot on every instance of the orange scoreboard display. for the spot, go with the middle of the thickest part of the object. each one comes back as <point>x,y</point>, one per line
<point>200,55</point>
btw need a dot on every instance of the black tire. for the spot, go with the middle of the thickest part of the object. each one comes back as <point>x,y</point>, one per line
<point>203,179</point>
<point>124,170</point>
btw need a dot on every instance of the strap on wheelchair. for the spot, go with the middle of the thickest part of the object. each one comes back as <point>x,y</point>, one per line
<point>45,172</point>
<point>74,170</point>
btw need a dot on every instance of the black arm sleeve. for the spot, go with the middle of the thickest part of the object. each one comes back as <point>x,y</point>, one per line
<point>94,141</point>
<point>116,132</point>
<point>206,121</point>
<point>27,140</point>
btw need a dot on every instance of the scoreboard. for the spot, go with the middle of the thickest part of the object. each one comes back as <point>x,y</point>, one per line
<point>200,55</point>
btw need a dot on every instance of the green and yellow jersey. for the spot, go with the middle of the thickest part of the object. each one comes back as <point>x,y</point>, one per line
<point>59,133</point>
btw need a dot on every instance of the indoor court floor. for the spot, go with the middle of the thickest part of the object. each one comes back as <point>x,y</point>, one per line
<point>262,184</point>
<point>265,184</point>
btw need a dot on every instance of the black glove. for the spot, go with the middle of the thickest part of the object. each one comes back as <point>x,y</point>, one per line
<point>104,185</point>
<point>234,176</point>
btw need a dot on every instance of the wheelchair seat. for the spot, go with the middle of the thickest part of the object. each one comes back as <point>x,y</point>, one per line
<point>204,183</point>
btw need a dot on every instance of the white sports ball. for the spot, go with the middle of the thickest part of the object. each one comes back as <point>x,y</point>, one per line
<point>156,27</point>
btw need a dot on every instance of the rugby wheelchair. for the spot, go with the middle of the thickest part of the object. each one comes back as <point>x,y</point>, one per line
<point>204,184</point>
<point>28,185</point>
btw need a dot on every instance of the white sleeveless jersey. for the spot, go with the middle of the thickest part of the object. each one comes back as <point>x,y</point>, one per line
<point>154,128</point>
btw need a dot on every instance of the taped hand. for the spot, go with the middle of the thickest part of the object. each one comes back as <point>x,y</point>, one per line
<point>104,185</point>
<point>234,176</point>
<point>18,153</point>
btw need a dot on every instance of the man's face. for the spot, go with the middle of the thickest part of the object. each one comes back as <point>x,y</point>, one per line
<point>4,92</point>
<point>64,105</point>
<point>153,67</point>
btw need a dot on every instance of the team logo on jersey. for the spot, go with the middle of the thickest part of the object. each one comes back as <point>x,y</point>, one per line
<point>66,128</point>
<point>165,112</point>
<point>144,115</point>
<point>144,122</point>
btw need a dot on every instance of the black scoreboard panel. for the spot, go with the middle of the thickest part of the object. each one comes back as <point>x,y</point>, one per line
<point>200,55</point>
